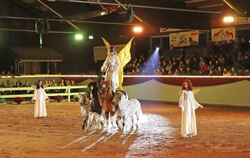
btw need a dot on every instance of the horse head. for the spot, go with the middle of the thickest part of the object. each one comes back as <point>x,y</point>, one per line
<point>105,89</point>
<point>117,97</point>
<point>83,99</point>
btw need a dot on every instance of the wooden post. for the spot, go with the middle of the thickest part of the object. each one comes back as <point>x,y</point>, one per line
<point>68,93</point>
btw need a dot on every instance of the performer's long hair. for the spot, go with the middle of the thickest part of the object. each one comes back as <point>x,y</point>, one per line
<point>38,86</point>
<point>190,86</point>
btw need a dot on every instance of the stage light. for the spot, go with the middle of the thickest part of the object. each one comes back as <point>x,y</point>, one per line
<point>157,48</point>
<point>91,37</point>
<point>228,19</point>
<point>78,36</point>
<point>137,29</point>
<point>103,13</point>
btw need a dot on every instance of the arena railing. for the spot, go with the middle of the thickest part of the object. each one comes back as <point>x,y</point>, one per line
<point>67,92</point>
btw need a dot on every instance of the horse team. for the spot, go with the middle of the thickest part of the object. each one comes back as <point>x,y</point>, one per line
<point>109,109</point>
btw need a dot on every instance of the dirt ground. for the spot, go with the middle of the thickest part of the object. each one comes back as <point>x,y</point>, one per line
<point>223,132</point>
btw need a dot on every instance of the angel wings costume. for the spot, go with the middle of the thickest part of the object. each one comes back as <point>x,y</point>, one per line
<point>188,105</point>
<point>40,108</point>
<point>114,64</point>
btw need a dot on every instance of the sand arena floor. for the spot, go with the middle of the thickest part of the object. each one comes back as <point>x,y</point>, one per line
<point>223,132</point>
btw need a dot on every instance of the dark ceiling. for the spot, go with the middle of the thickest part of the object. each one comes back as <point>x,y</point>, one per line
<point>190,18</point>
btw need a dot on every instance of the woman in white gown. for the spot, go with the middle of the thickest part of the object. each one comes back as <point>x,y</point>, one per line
<point>40,96</point>
<point>188,105</point>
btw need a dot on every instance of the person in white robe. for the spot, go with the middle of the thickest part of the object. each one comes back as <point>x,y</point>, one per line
<point>188,105</point>
<point>40,96</point>
<point>110,67</point>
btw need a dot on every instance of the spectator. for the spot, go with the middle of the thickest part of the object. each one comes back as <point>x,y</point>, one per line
<point>53,83</point>
<point>240,58</point>
<point>73,83</point>
<point>133,72</point>
<point>176,72</point>
<point>221,59</point>
<point>62,83</point>
<point>195,63</point>
<point>9,73</point>
<point>211,73</point>
<point>188,64</point>
<point>174,66</point>
<point>225,72</point>
<point>67,83</point>
<point>19,83</point>
<point>169,66</point>
<point>188,71</point>
<point>27,84</point>
<point>217,64</point>
<point>181,65</point>
<point>181,72</point>
<point>210,66</point>
<point>201,60</point>
<point>3,73</point>
<point>246,62</point>
<point>138,71</point>
<point>46,84</point>
<point>233,72</point>
<point>8,84</point>
<point>170,72</point>
<point>203,68</point>
<point>163,72</point>
<point>219,71</point>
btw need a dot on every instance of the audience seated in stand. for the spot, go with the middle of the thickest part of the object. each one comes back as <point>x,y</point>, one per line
<point>223,58</point>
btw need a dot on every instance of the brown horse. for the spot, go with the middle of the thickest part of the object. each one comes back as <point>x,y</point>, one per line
<point>105,99</point>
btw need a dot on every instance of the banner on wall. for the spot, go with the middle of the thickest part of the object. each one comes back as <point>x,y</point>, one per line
<point>242,20</point>
<point>223,34</point>
<point>184,39</point>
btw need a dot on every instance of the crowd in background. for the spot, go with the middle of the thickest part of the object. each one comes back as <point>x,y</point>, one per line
<point>223,58</point>
<point>228,58</point>
<point>6,73</point>
<point>47,83</point>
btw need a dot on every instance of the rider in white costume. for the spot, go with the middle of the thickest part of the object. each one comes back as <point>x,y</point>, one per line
<point>110,67</point>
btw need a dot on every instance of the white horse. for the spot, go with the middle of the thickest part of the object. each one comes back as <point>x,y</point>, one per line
<point>127,109</point>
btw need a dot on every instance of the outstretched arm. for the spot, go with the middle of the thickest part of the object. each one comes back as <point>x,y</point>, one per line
<point>197,105</point>
<point>105,64</point>
<point>181,100</point>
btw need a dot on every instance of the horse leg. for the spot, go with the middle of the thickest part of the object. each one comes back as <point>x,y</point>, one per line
<point>123,122</point>
<point>118,120</point>
<point>89,121</point>
<point>113,119</point>
<point>107,119</point>
<point>83,124</point>
<point>98,120</point>
<point>133,122</point>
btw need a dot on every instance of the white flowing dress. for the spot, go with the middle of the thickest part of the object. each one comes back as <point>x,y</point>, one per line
<point>40,108</point>
<point>111,66</point>
<point>188,105</point>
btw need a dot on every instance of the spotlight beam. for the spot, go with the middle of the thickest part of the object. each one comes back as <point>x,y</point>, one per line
<point>152,62</point>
